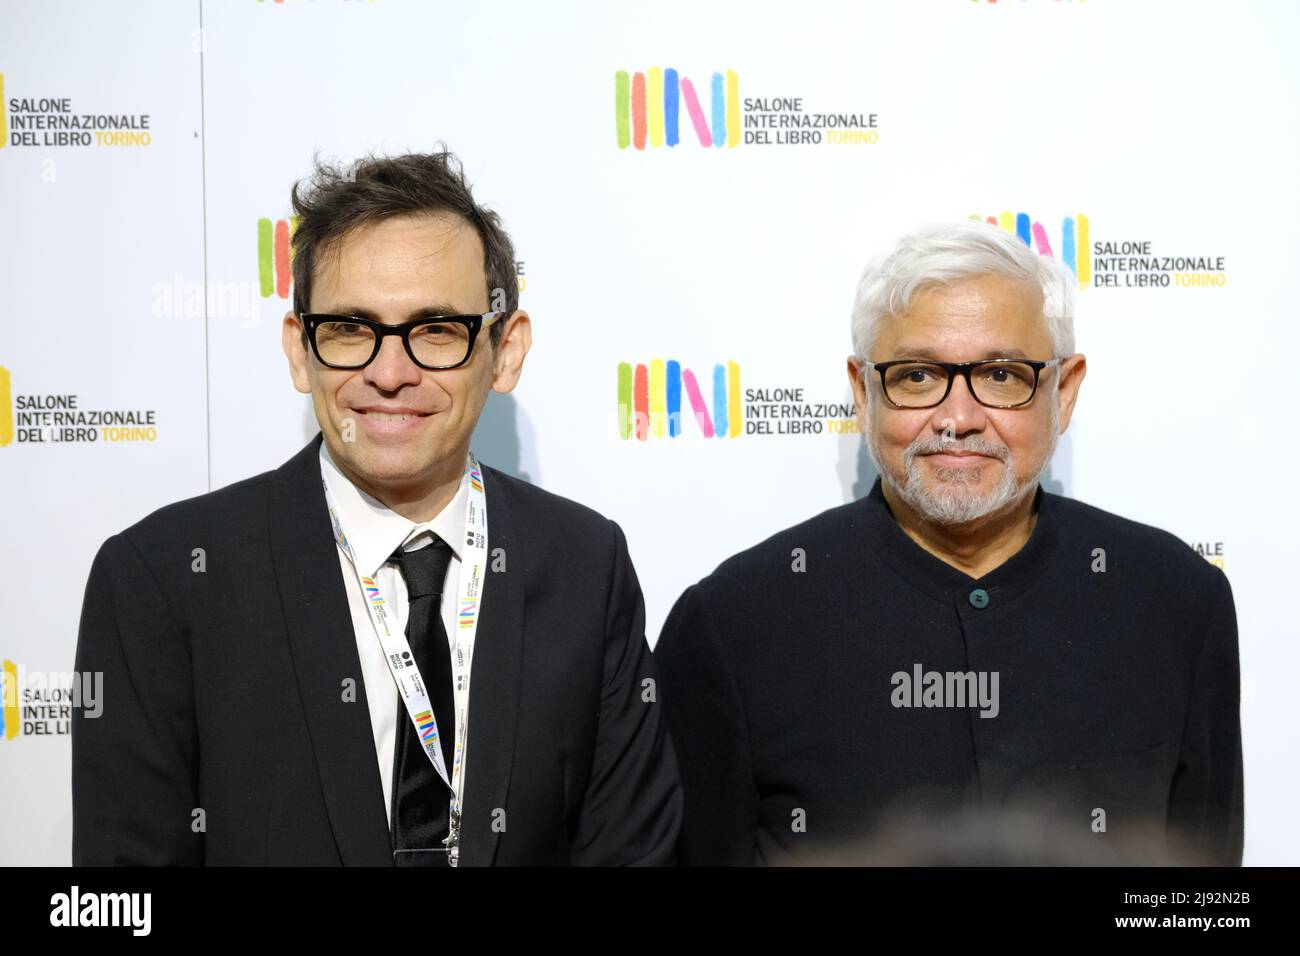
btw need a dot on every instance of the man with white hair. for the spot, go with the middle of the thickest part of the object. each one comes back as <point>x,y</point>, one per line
<point>959,640</point>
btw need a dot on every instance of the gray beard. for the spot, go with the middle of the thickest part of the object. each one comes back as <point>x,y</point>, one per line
<point>957,501</point>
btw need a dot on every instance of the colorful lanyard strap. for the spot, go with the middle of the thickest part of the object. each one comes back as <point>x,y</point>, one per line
<point>401,662</point>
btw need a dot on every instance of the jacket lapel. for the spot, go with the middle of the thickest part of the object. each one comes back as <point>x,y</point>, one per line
<point>495,678</point>
<point>324,651</point>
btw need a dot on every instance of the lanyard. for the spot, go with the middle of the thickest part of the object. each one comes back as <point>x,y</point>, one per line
<point>401,662</point>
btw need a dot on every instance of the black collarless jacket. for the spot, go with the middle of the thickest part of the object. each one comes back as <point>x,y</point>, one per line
<point>1115,647</point>
<point>226,736</point>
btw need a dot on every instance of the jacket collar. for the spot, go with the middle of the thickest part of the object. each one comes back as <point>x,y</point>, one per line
<point>324,653</point>
<point>375,531</point>
<point>923,571</point>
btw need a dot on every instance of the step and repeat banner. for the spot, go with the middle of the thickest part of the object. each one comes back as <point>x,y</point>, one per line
<point>689,183</point>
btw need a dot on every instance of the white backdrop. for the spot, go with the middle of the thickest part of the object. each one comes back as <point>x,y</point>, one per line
<point>131,281</point>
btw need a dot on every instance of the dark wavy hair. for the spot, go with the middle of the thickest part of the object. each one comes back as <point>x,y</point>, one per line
<point>335,200</point>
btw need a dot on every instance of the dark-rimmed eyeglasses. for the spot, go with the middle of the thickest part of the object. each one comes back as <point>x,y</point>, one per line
<point>432,341</point>
<point>995,383</point>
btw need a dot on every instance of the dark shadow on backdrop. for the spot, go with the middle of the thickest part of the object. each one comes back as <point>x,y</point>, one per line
<point>496,438</point>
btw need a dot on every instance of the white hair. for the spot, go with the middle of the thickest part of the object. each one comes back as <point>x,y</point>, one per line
<point>946,252</point>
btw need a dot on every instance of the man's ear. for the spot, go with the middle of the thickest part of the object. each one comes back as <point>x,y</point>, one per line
<point>859,384</point>
<point>295,350</point>
<point>1072,371</point>
<point>508,361</point>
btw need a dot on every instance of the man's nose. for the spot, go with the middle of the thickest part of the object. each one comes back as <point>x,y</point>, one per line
<point>392,367</point>
<point>959,411</point>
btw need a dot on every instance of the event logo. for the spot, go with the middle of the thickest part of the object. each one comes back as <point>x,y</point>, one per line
<point>1074,240</point>
<point>52,121</point>
<point>650,405</point>
<point>10,718</point>
<point>6,408</point>
<point>275,256</point>
<point>1099,263</point>
<point>648,111</point>
<point>1211,551</point>
<point>650,400</point>
<point>60,419</point>
<point>40,703</point>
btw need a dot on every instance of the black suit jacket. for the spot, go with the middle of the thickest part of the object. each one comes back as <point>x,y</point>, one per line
<point>226,736</point>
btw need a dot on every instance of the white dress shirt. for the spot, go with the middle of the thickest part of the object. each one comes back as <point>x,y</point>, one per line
<point>375,532</point>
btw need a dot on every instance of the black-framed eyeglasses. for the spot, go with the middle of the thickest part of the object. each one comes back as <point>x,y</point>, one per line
<point>995,383</point>
<point>432,341</point>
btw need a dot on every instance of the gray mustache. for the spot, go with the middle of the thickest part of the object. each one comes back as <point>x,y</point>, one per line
<point>980,446</point>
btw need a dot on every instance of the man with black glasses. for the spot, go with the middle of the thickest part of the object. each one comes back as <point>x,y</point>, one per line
<point>959,641</point>
<point>287,661</point>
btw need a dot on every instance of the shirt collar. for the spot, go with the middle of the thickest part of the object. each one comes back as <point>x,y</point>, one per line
<point>375,531</point>
<point>940,580</point>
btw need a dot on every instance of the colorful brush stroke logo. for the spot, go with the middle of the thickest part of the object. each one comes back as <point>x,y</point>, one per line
<point>650,401</point>
<point>6,407</point>
<point>9,714</point>
<point>647,109</point>
<point>275,256</point>
<point>4,114</point>
<point>1075,252</point>
<point>428,730</point>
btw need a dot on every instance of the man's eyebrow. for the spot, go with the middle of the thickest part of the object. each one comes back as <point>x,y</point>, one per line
<point>428,310</point>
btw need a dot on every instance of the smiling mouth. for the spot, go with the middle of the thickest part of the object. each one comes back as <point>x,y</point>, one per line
<point>965,456</point>
<point>381,416</point>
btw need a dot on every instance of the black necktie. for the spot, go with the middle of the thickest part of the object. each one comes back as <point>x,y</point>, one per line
<point>419,794</point>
